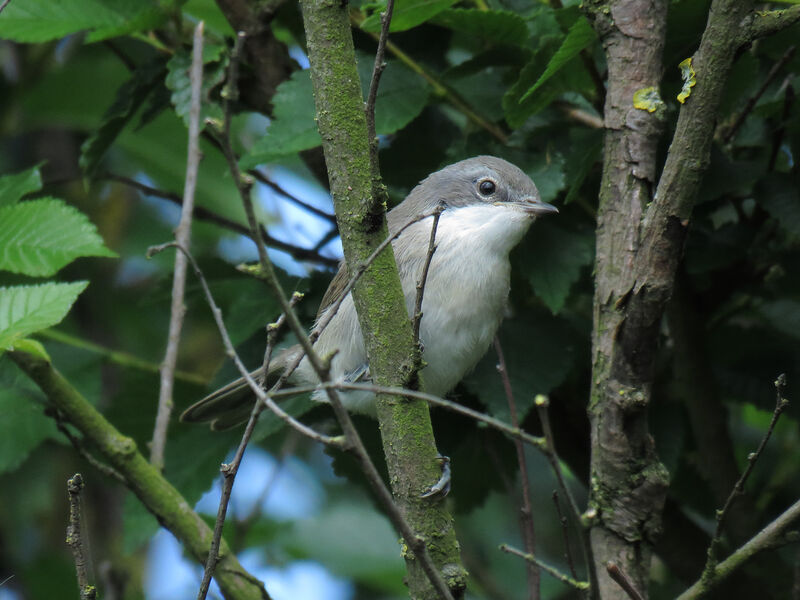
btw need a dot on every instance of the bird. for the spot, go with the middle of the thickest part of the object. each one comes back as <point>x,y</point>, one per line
<point>487,206</point>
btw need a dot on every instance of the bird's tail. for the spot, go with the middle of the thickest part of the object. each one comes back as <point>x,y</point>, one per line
<point>231,405</point>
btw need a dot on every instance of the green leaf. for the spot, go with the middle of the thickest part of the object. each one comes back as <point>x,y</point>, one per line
<point>402,94</point>
<point>23,425</point>
<point>555,260</point>
<point>41,236</point>
<point>293,127</point>
<point>498,26</point>
<point>45,20</point>
<point>130,96</point>
<point>779,196</point>
<point>572,78</point>
<point>539,350</point>
<point>580,35</point>
<point>26,309</point>
<point>179,82</point>
<point>406,14</point>
<point>14,187</point>
<point>401,97</point>
<point>547,173</point>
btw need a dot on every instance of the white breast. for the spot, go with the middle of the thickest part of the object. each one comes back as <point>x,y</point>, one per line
<point>463,304</point>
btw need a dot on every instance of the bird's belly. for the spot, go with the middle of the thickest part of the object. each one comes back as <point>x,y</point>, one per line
<point>461,313</point>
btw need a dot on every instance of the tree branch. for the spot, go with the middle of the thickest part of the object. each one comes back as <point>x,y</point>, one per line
<point>562,577</point>
<point>182,237</point>
<point>780,405</point>
<point>74,539</point>
<point>406,429</point>
<point>761,23</point>
<point>764,540</point>
<point>143,479</point>
<point>526,510</point>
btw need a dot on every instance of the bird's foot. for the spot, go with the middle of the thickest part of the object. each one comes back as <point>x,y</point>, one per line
<point>442,487</point>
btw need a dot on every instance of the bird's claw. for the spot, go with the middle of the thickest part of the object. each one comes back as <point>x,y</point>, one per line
<point>442,487</point>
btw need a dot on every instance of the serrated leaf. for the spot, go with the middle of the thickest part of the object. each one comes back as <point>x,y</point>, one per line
<point>557,257</point>
<point>180,84</point>
<point>14,187</point>
<point>579,36</point>
<point>406,14</point>
<point>45,20</point>
<point>23,425</point>
<point>130,96</point>
<point>499,26</point>
<point>41,236</point>
<point>26,309</point>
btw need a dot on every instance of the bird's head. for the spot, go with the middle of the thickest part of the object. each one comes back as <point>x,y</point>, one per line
<point>480,181</point>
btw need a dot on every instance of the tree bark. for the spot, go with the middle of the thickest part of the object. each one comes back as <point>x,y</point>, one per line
<point>628,484</point>
<point>408,442</point>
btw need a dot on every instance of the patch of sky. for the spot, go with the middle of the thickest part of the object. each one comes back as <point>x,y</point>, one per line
<point>282,490</point>
<point>292,491</point>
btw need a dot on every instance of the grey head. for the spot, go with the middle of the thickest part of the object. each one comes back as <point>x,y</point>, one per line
<point>475,181</point>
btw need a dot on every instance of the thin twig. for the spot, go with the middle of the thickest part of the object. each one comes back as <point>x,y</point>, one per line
<point>119,357</point>
<point>751,102</point>
<point>74,539</point>
<point>258,392</point>
<point>562,577</point>
<point>105,469</point>
<point>513,432</point>
<point>359,271</point>
<point>623,581</point>
<point>542,404</point>
<point>377,71</point>
<point>526,510</point>
<point>780,405</point>
<point>4,4</point>
<point>182,237</point>
<point>565,533</point>
<point>763,540</point>
<point>417,318</point>
<point>204,214</point>
<point>439,89</point>
<point>230,470</point>
<point>262,178</point>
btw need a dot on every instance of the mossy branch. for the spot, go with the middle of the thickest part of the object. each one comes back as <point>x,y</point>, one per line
<point>142,478</point>
<point>406,428</point>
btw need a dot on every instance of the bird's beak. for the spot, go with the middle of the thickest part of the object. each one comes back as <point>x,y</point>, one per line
<point>537,207</point>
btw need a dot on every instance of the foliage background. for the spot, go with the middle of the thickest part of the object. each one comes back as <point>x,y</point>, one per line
<point>99,86</point>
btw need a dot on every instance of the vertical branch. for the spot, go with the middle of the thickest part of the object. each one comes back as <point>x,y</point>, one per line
<point>377,71</point>
<point>526,510</point>
<point>74,541</point>
<point>416,317</point>
<point>406,429</point>
<point>182,237</point>
<point>628,484</point>
<point>542,403</point>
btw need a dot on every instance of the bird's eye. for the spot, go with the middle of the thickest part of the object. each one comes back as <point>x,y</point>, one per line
<point>487,187</point>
